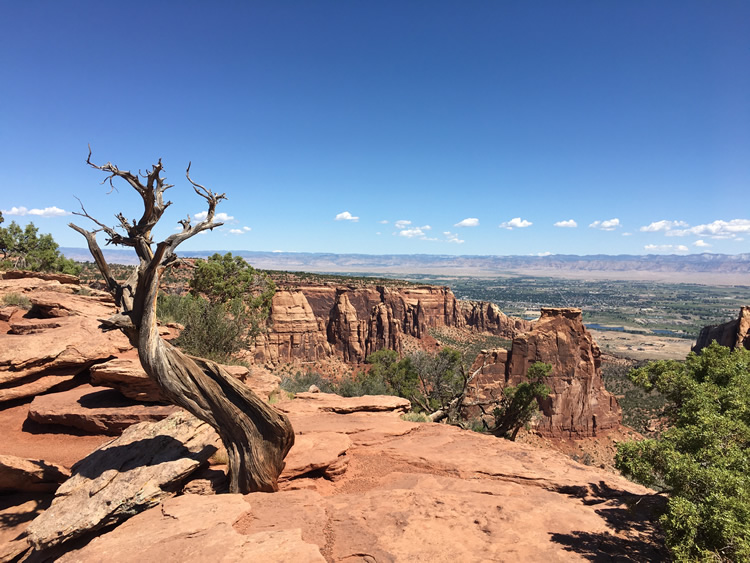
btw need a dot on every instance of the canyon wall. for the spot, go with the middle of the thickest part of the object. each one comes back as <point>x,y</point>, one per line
<point>314,322</point>
<point>733,334</point>
<point>578,404</point>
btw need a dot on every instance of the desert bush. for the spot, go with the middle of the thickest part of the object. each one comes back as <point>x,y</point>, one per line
<point>215,331</point>
<point>301,382</point>
<point>519,404</point>
<point>17,300</point>
<point>415,417</point>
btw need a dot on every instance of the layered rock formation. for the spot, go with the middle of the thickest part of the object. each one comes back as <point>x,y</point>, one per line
<point>732,334</point>
<point>578,404</point>
<point>315,322</point>
<point>54,341</point>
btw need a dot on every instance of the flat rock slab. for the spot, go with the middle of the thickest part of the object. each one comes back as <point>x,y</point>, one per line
<point>128,377</point>
<point>95,410</point>
<point>18,474</point>
<point>195,528</point>
<point>328,402</point>
<point>124,477</point>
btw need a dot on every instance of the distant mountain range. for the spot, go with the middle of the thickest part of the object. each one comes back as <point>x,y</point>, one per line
<point>692,267</point>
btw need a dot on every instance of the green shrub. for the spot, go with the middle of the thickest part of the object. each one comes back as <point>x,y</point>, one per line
<point>703,459</point>
<point>415,417</point>
<point>215,331</point>
<point>17,300</point>
<point>519,404</point>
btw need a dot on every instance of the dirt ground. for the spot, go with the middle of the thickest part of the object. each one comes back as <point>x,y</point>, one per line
<point>641,346</point>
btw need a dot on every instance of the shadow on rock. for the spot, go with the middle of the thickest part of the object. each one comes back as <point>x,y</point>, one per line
<point>633,519</point>
<point>140,453</point>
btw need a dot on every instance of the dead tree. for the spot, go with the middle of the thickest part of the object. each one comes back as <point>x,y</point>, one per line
<point>256,436</point>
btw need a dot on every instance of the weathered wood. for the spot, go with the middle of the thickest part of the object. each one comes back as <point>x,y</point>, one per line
<point>256,436</point>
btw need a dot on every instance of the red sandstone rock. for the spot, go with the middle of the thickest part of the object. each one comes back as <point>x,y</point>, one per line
<point>99,411</point>
<point>124,477</point>
<point>733,334</point>
<point>578,405</point>
<point>46,276</point>
<point>127,376</point>
<point>315,322</point>
<point>195,528</point>
<point>30,475</point>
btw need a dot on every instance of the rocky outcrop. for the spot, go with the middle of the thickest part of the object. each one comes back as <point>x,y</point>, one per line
<point>487,317</point>
<point>411,492</point>
<point>315,322</point>
<point>124,477</point>
<point>578,405</point>
<point>30,475</point>
<point>732,334</point>
<point>58,338</point>
<point>98,411</point>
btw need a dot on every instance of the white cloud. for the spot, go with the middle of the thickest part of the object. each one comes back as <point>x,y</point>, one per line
<point>452,237</point>
<point>608,225</point>
<point>666,248</point>
<point>346,216</point>
<point>718,229</point>
<point>663,225</point>
<point>569,224</point>
<point>383,222</point>
<point>627,234</point>
<point>516,223</point>
<point>468,222</point>
<point>416,232</point>
<point>701,243</point>
<point>241,231</point>
<point>46,212</point>
<point>542,254</point>
<point>402,224</point>
<point>223,217</point>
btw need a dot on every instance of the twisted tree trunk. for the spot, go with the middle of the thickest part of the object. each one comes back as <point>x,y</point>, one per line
<point>256,436</point>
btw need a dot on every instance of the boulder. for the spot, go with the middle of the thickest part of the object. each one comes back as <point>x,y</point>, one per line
<point>128,475</point>
<point>30,475</point>
<point>323,452</point>
<point>127,376</point>
<point>732,334</point>
<point>578,404</point>
<point>195,528</point>
<point>98,411</point>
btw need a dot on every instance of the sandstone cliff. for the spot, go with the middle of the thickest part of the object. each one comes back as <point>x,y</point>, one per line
<point>578,405</point>
<point>314,322</point>
<point>733,334</point>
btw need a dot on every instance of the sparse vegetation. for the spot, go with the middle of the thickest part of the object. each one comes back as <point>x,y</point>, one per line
<point>226,309</point>
<point>16,300</point>
<point>519,404</point>
<point>640,408</point>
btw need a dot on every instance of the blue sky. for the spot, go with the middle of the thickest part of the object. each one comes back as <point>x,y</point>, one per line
<point>389,127</point>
